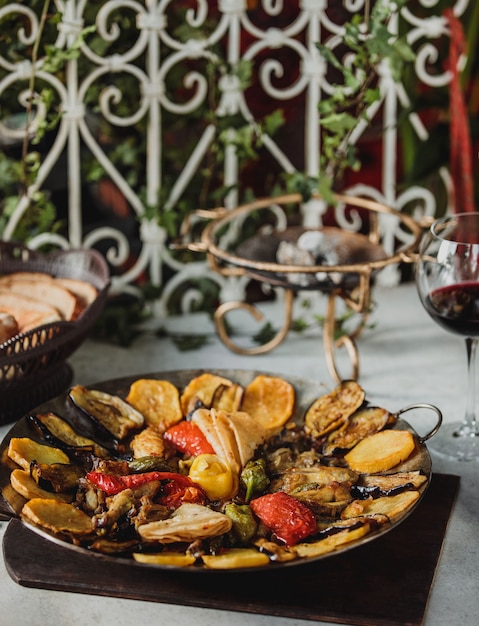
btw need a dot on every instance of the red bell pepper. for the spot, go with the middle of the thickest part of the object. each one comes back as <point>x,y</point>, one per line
<point>188,438</point>
<point>289,519</point>
<point>176,490</point>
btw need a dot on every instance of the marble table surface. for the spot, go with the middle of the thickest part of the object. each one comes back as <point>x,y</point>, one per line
<point>404,358</point>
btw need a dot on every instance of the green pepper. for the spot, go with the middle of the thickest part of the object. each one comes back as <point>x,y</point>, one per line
<point>254,478</point>
<point>244,523</point>
<point>148,464</point>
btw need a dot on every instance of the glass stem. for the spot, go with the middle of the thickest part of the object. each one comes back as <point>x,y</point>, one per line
<point>470,426</point>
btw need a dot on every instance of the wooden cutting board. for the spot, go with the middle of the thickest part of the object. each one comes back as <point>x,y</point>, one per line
<point>382,583</point>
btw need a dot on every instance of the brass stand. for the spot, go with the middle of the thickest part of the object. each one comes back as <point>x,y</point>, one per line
<point>354,288</point>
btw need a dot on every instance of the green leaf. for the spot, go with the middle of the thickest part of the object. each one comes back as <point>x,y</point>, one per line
<point>186,343</point>
<point>267,333</point>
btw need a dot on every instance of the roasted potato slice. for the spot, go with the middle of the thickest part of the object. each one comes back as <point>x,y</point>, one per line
<point>157,400</point>
<point>381,451</point>
<point>332,542</point>
<point>177,559</point>
<point>24,450</point>
<point>391,506</point>
<point>57,516</point>
<point>331,410</point>
<point>26,486</point>
<point>236,558</point>
<point>270,401</point>
<point>200,391</point>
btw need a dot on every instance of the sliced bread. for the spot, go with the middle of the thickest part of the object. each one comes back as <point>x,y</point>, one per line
<point>28,312</point>
<point>46,291</point>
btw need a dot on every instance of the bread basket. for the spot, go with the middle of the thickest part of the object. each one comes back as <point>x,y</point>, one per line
<point>33,365</point>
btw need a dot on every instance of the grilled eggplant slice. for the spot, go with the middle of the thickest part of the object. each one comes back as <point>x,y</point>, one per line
<point>378,485</point>
<point>55,429</point>
<point>108,411</point>
<point>390,481</point>
<point>227,398</point>
<point>328,500</point>
<point>330,411</point>
<point>321,475</point>
<point>58,432</point>
<point>362,423</point>
<point>56,477</point>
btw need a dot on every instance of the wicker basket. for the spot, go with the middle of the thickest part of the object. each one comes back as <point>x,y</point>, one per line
<point>33,365</point>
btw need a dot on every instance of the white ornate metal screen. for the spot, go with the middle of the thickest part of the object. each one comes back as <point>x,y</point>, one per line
<point>154,53</point>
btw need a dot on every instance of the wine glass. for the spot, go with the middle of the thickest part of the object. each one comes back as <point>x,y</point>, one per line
<point>447,279</point>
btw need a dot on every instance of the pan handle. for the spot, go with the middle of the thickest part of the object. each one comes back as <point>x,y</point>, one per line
<point>424,405</point>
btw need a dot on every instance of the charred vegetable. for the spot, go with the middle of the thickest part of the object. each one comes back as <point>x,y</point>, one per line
<point>57,431</point>
<point>331,411</point>
<point>244,522</point>
<point>359,425</point>
<point>110,412</point>
<point>289,519</point>
<point>149,464</point>
<point>254,478</point>
<point>56,477</point>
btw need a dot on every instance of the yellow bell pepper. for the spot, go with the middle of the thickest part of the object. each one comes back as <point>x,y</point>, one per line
<point>214,476</point>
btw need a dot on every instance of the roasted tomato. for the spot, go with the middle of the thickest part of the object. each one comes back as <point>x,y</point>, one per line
<point>288,518</point>
<point>188,438</point>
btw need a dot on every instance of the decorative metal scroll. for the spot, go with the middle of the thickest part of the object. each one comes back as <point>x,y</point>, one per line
<point>152,56</point>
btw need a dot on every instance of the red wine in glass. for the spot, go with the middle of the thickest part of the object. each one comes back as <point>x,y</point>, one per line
<point>455,308</point>
<point>447,279</point>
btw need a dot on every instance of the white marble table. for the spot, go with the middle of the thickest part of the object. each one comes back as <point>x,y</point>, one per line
<point>404,358</point>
